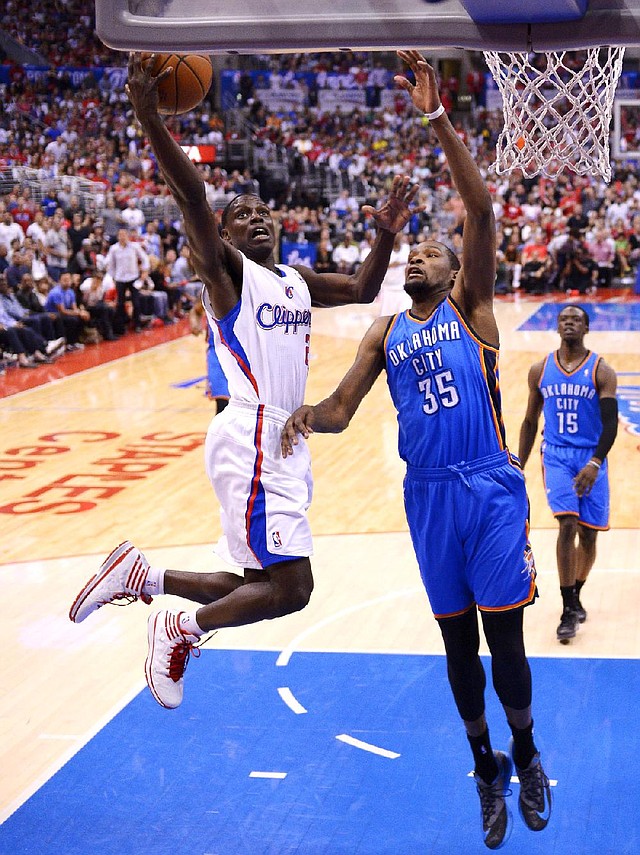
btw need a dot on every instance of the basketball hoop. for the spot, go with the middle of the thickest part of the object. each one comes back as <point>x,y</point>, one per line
<point>557,110</point>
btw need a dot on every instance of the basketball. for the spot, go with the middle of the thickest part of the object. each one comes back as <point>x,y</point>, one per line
<point>188,83</point>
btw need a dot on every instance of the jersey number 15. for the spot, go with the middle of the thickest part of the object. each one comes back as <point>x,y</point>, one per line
<point>567,422</point>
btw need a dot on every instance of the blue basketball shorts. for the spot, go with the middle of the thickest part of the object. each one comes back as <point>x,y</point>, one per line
<point>560,465</point>
<point>469,524</point>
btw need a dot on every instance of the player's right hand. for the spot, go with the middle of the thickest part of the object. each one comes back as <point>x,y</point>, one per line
<point>142,86</point>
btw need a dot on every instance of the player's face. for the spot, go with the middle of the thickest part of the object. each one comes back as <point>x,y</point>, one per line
<point>428,269</point>
<point>572,324</point>
<point>249,228</point>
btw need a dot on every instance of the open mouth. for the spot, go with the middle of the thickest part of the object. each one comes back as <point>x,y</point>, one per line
<point>412,272</point>
<point>260,232</point>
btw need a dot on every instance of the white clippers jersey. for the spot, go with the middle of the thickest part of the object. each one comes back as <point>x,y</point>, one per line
<point>263,342</point>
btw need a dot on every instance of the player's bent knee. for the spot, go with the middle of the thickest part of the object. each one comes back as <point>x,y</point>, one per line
<point>298,598</point>
<point>292,586</point>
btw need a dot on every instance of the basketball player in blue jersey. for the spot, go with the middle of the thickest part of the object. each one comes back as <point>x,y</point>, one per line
<point>575,389</point>
<point>465,495</point>
<point>259,313</point>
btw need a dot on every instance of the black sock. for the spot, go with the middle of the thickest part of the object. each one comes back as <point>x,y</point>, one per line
<point>485,762</point>
<point>568,596</point>
<point>579,584</point>
<point>524,747</point>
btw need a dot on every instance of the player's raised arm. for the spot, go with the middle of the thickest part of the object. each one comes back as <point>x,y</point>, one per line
<point>337,289</point>
<point>476,284</point>
<point>334,413</point>
<point>217,263</point>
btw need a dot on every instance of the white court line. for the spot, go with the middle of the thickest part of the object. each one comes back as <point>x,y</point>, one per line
<point>366,746</point>
<point>287,696</point>
<point>515,780</point>
<point>278,775</point>
<point>287,653</point>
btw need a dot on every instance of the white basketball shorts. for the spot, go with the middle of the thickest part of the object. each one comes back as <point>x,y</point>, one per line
<point>264,498</point>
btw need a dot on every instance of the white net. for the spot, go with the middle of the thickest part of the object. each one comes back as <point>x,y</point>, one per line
<point>557,110</point>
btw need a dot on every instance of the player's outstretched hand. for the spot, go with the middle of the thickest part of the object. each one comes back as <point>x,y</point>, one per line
<point>299,422</point>
<point>394,214</point>
<point>424,93</point>
<point>142,86</point>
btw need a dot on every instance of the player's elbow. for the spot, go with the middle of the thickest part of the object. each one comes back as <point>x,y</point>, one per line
<point>367,296</point>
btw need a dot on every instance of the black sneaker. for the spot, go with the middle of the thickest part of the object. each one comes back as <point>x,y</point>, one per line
<point>496,816</point>
<point>568,625</point>
<point>581,612</point>
<point>534,802</point>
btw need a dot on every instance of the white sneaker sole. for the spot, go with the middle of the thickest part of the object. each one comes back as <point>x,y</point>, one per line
<point>108,566</point>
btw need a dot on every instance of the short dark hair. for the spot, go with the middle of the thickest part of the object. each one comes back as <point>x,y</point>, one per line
<point>587,317</point>
<point>453,258</point>
<point>580,309</point>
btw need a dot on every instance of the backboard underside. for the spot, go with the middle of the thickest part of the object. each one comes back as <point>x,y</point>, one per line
<point>277,26</point>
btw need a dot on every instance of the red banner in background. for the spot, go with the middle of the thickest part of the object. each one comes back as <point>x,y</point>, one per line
<point>200,153</point>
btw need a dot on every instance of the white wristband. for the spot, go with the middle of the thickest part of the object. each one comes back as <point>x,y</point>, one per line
<point>436,113</point>
<point>593,463</point>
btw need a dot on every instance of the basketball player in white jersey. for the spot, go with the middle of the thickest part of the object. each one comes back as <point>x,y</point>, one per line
<point>260,315</point>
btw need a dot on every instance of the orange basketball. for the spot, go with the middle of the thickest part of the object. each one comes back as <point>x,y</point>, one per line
<point>188,83</point>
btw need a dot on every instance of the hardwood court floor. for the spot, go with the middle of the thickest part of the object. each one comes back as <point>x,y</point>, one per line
<point>114,451</point>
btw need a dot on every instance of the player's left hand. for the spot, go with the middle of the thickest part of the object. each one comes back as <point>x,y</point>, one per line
<point>394,214</point>
<point>424,93</point>
<point>585,479</point>
<point>299,422</point>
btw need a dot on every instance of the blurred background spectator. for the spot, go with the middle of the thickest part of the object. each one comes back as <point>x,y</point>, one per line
<point>75,172</point>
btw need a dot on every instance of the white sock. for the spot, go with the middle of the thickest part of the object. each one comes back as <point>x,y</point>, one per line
<point>189,625</point>
<point>154,584</point>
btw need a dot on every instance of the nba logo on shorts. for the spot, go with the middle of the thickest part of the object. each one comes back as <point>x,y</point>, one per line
<point>277,542</point>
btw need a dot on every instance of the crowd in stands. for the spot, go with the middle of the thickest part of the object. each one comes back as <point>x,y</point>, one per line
<point>60,31</point>
<point>76,268</point>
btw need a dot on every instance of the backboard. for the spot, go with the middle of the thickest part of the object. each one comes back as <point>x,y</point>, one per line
<point>275,26</point>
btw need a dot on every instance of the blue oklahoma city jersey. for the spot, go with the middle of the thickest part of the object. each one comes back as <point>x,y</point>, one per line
<point>444,383</point>
<point>571,403</point>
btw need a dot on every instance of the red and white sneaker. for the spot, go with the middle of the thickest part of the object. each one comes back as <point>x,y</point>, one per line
<point>169,651</point>
<point>121,577</point>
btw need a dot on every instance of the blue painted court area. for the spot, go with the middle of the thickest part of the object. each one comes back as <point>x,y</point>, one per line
<point>168,783</point>
<point>603,317</point>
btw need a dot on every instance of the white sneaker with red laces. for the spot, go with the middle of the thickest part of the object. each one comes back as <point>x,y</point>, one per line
<point>169,651</point>
<point>121,577</point>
